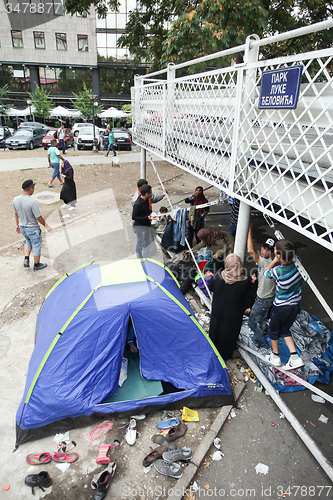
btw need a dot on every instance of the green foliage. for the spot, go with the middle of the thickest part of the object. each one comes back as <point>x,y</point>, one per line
<point>118,125</point>
<point>83,6</point>
<point>127,107</point>
<point>57,124</point>
<point>9,123</point>
<point>83,103</point>
<point>3,97</point>
<point>40,99</point>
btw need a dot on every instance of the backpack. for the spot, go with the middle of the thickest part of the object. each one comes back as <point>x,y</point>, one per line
<point>55,135</point>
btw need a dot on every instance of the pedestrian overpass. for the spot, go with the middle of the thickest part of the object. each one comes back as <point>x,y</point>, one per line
<point>275,159</point>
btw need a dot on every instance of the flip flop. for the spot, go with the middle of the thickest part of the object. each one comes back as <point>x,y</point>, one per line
<point>65,457</point>
<point>41,458</point>
<point>164,424</point>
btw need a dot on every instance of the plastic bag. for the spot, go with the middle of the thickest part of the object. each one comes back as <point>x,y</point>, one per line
<point>189,415</point>
<point>123,371</point>
<point>100,430</point>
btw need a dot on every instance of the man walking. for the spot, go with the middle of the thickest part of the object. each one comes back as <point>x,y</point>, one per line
<point>53,156</point>
<point>141,216</point>
<point>61,137</point>
<point>111,143</point>
<point>28,217</point>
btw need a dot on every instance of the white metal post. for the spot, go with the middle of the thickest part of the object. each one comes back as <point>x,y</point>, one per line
<point>169,113</point>
<point>250,56</point>
<point>143,163</point>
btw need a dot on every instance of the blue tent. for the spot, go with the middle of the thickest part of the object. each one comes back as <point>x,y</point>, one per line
<point>81,337</point>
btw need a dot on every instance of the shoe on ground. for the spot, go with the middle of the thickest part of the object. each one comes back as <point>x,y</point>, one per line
<point>41,480</point>
<point>273,360</point>
<point>103,484</point>
<point>26,263</point>
<point>130,435</point>
<point>154,455</point>
<point>159,439</point>
<point>111,469</point>
<point>168,468</point>
<point>38,267</point>
<point>176,432</point>
<point>175,455</point>
<point>293,364</point>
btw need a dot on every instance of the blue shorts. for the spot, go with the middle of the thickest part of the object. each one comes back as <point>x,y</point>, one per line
<point>33,239</point>
<point>282,317</point>
<point>56,172</point>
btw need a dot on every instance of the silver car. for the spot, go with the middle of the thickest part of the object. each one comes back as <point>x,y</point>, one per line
<point>26,138</point>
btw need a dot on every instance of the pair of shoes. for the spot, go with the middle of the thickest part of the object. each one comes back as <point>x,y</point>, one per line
<point>38,459</point>
<point>96,480</point>
<point>273,360</point>
<point>293,363</point>
<point>154,455</point>
<point>180,454</point>
<point>50,186</point>
<point>38,267</point>
<point>165,468</point>
<point>130,435</point>
<point>102,457</point>
<point>103,482</point>
<point>26,262</point>
<point>42,480</point>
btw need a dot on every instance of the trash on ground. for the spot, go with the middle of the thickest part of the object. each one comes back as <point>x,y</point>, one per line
<point>232,414</point>
<point>317,399</point>
<point>63,466</point>
<point>100,430</point>
<point>282,415</point>
<point>323,419</point>
<point>262,469</point>
<point>147,469</point>
<point>189,415</point>
<point>258,389</point>
<point>58,438</point>
<point>217,443</point>
<point>218,455</point>
<point>6,487</point>
<point>272,424</point>
<point>194,486</point>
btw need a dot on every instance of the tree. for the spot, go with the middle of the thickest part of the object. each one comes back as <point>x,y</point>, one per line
<point>83,103</point>
<point>83,6</point>
<point>3,97</point>
<point>128,107</point>
<point>42,103</point>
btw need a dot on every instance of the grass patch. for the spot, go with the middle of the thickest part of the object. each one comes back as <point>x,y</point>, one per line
<point>23,169</point>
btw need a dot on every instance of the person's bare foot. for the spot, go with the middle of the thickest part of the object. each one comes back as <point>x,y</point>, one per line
<point>133,348</point>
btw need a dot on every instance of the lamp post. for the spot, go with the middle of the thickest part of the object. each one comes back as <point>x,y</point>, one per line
<point>29,102</point>
<point>94,104</point>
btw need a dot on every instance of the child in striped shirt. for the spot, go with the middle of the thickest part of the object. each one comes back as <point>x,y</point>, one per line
<point>286,303</point>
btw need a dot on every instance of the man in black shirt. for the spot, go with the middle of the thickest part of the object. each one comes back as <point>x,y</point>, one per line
<point>141,216</point>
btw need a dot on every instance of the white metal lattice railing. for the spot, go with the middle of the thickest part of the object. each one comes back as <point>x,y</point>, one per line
<point>276,160</point>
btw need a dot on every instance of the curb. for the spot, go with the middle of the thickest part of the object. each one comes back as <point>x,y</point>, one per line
<point>184,482</point>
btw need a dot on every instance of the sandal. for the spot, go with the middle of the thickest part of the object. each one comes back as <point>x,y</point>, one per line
<point>42,458</point>
<point>111,469</point>
<point>65,457</point>
<point>102,457</point>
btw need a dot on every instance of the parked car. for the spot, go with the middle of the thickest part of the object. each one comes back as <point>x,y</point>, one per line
<point>4,134</point>
<point>85,138</point>
<point>26,138</point>
<point>49,136</point>
<point>122,138</point>
<point>33,125</point>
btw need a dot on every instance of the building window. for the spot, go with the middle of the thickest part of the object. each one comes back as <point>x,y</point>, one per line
<point>82,41</point>
<point>39,40</point>
<point>61,41</point>
<point>17,39</point>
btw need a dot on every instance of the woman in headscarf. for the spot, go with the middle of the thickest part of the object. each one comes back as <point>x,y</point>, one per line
<point>197,215</point>
<point>230,288</point>
<point>68,191</point>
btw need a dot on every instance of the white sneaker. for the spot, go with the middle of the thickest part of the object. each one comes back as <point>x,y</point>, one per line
<point>273,360</point>
<point>293,364</point>
<point>130,435</point>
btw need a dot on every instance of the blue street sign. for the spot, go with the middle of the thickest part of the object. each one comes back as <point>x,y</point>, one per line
<point>280,87</point>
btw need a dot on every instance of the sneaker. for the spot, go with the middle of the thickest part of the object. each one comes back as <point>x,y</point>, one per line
<point>26,263</point>
<point>103,484</point>
<point>175,455</point>
<point>293,364</point>
<point>41,480</point>
<point>171,469</point>
<point>111,469</point>
<point>130,435</point>
<point>38,267</point>
<point>273,360</point>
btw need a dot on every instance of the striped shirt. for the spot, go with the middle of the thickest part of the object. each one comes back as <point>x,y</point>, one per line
<point>288,284</point>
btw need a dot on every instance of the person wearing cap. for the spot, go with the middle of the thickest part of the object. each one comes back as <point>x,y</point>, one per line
<point>28,217</point>
<point>265,292</point>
